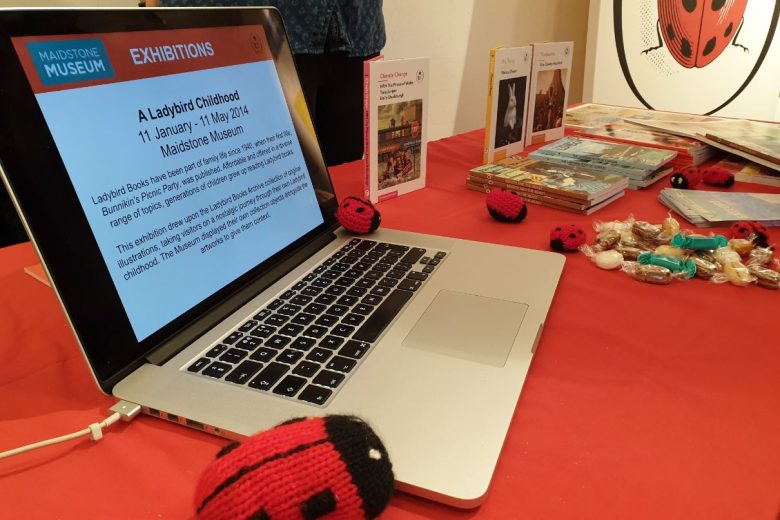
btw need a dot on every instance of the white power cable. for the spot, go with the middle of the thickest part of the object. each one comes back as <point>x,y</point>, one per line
<point>122,410</point>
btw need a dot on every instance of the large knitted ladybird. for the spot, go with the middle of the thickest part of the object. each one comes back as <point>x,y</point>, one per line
<point>358,215</point>
<point>506,206</point>
<point>718,176</point>
<point>332,466</point>
<point>746,229</point>
<point>567,238</point>
<point>687,178</point>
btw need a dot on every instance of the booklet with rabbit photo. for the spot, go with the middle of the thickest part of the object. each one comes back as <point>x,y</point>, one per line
<point>507,102</point>
<point>550,73</point>
<point>395,102</point>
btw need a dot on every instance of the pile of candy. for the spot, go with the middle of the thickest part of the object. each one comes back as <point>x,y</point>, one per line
<point>660,253</point>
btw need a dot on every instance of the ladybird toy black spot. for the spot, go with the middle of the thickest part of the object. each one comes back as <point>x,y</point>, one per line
<point>717,176</point>
<point>686,179</point>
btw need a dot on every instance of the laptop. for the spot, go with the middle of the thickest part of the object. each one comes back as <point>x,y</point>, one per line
<point>165,166</point>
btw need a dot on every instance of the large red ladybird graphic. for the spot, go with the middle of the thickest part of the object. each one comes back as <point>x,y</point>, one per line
<point>696,56</point>
<point>697,31</point>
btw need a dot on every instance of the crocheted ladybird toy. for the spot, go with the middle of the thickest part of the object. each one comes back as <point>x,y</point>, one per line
<point>358,215</point>
<point>687,178</point>
<point>746,229</point>
<point>302,469</point>
<point>567,238</point>
<point>717,176</point>
<point>506,206</point>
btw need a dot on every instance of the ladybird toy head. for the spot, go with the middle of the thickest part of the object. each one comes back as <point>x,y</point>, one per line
<point>358,215</point>
<point>568,237</point>
<point>506,206</point>
<point>333,466</point>
<point>717,176</point>
<point>687,178</point>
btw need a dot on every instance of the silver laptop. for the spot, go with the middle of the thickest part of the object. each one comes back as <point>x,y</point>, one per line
<point>165,166</point>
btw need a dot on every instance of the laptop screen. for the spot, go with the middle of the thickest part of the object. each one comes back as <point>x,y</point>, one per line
<point>182,152</point>
<point>165,165</point>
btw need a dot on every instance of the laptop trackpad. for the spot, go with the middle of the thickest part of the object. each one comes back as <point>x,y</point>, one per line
<point>468,326</point>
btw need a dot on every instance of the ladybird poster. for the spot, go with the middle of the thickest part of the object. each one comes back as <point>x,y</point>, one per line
<point>395,99</point>
<point>714,57</point>
<point>549,91</point>
<point>507,102</point>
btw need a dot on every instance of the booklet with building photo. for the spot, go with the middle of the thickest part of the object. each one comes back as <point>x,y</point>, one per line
<point>395,101</point>
<point>507,102</point>
<point>549,91</point>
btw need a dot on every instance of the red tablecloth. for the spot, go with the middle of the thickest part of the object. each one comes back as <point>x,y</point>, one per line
<point>642,401</point>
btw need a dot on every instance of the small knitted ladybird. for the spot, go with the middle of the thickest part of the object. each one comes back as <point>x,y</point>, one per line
<point>718,176</point>
<point>506,206</point>
<point>747,229</point>
<point>358,215</point>
<point>567,238</point>
<point>333,466</point>
<point>687,178</point>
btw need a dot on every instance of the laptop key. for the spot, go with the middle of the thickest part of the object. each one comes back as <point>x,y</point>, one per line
<point>277,320</point>
<point>355,349</point>
<point>263,331</point>
<point>277,341</point>
<point>306,369</point>
<point>249,343</point>
<point>315,308</point>
<point>289,356</point>
<point>303,343</point>
<point>319,355</point>
<point>336,290</point>
<point>428,269</point>
<point>246,327</point>
<point>289,309</point>
<point>234,336</point>
<point>315,394</point>
<point>315,331</point>
<point>328,378</point>
<point>286,295</point>
<point>290,386</point>
<point>325,299</point>
<point>303,318</point>
<point>311,291</point>
<point>347,300</point>
<point>380,290</point>
<point>332,342</point>
<point>275,304</point>
<point>383,315</point>
<point>327,320</point>
<point>268,376</point>
<point>216,350</point>
<point>263,314</point>
<point>371,299</point>
<point>417,275</point>
<point>301,299</point>
<point>338,310</point>
<point>234,355</point>
<point>264,354</point>
<point>341,364</point>
<point>362,308</point>
<point>352,319</point>
<point>243,372</point>
<point>291,329</point>
<point>409,285</point>
<point>342,330</point>
<point>440,255</point>
<point>217,369</point>
<point>198,365</point>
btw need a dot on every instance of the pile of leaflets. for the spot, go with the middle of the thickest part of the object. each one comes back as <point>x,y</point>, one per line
<point>641,165</point>
<point>568,188</point>
<point>713,208</point>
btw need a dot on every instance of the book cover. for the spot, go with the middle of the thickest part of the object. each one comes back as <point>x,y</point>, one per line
<point>564,181</point>
<point>507,102</point>
<point>594,164</point>
<point>630,155</point>
<point>395,126</point>
<point>549,202</point>
<point>549,91</point>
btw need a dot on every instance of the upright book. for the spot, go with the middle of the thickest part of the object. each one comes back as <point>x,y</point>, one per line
<point>507,102</point>
<point>395,126</point>
<point>550,73</point>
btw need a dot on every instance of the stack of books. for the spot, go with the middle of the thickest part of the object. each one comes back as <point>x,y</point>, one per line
<point>568,188</point>
<point>609,123</point>
<point>641,165</point>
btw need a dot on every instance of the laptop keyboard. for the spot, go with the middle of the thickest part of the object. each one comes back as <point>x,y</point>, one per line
<point>306,343</point>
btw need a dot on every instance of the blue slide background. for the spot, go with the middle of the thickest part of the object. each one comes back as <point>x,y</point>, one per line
<point>96,132</point>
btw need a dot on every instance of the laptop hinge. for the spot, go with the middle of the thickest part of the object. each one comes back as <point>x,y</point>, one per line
<point>222,310</point>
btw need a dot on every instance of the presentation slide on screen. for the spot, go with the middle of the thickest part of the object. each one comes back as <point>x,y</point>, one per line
<point>182,153</point>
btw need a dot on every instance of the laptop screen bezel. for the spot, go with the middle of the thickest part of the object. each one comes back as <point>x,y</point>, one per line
<point>39,184</point>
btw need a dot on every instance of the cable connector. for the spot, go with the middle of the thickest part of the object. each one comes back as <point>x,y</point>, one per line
<point>126,410</point>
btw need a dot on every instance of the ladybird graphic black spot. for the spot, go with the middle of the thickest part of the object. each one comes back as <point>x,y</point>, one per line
<point>670,32</point>
<point>709,46</point>
<point>685,48</point>
<point>717,4</point>
<point>689,5</point>
<point>728,30</point>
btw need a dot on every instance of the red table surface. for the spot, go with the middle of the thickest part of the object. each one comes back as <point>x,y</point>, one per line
<point>643,401</point>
